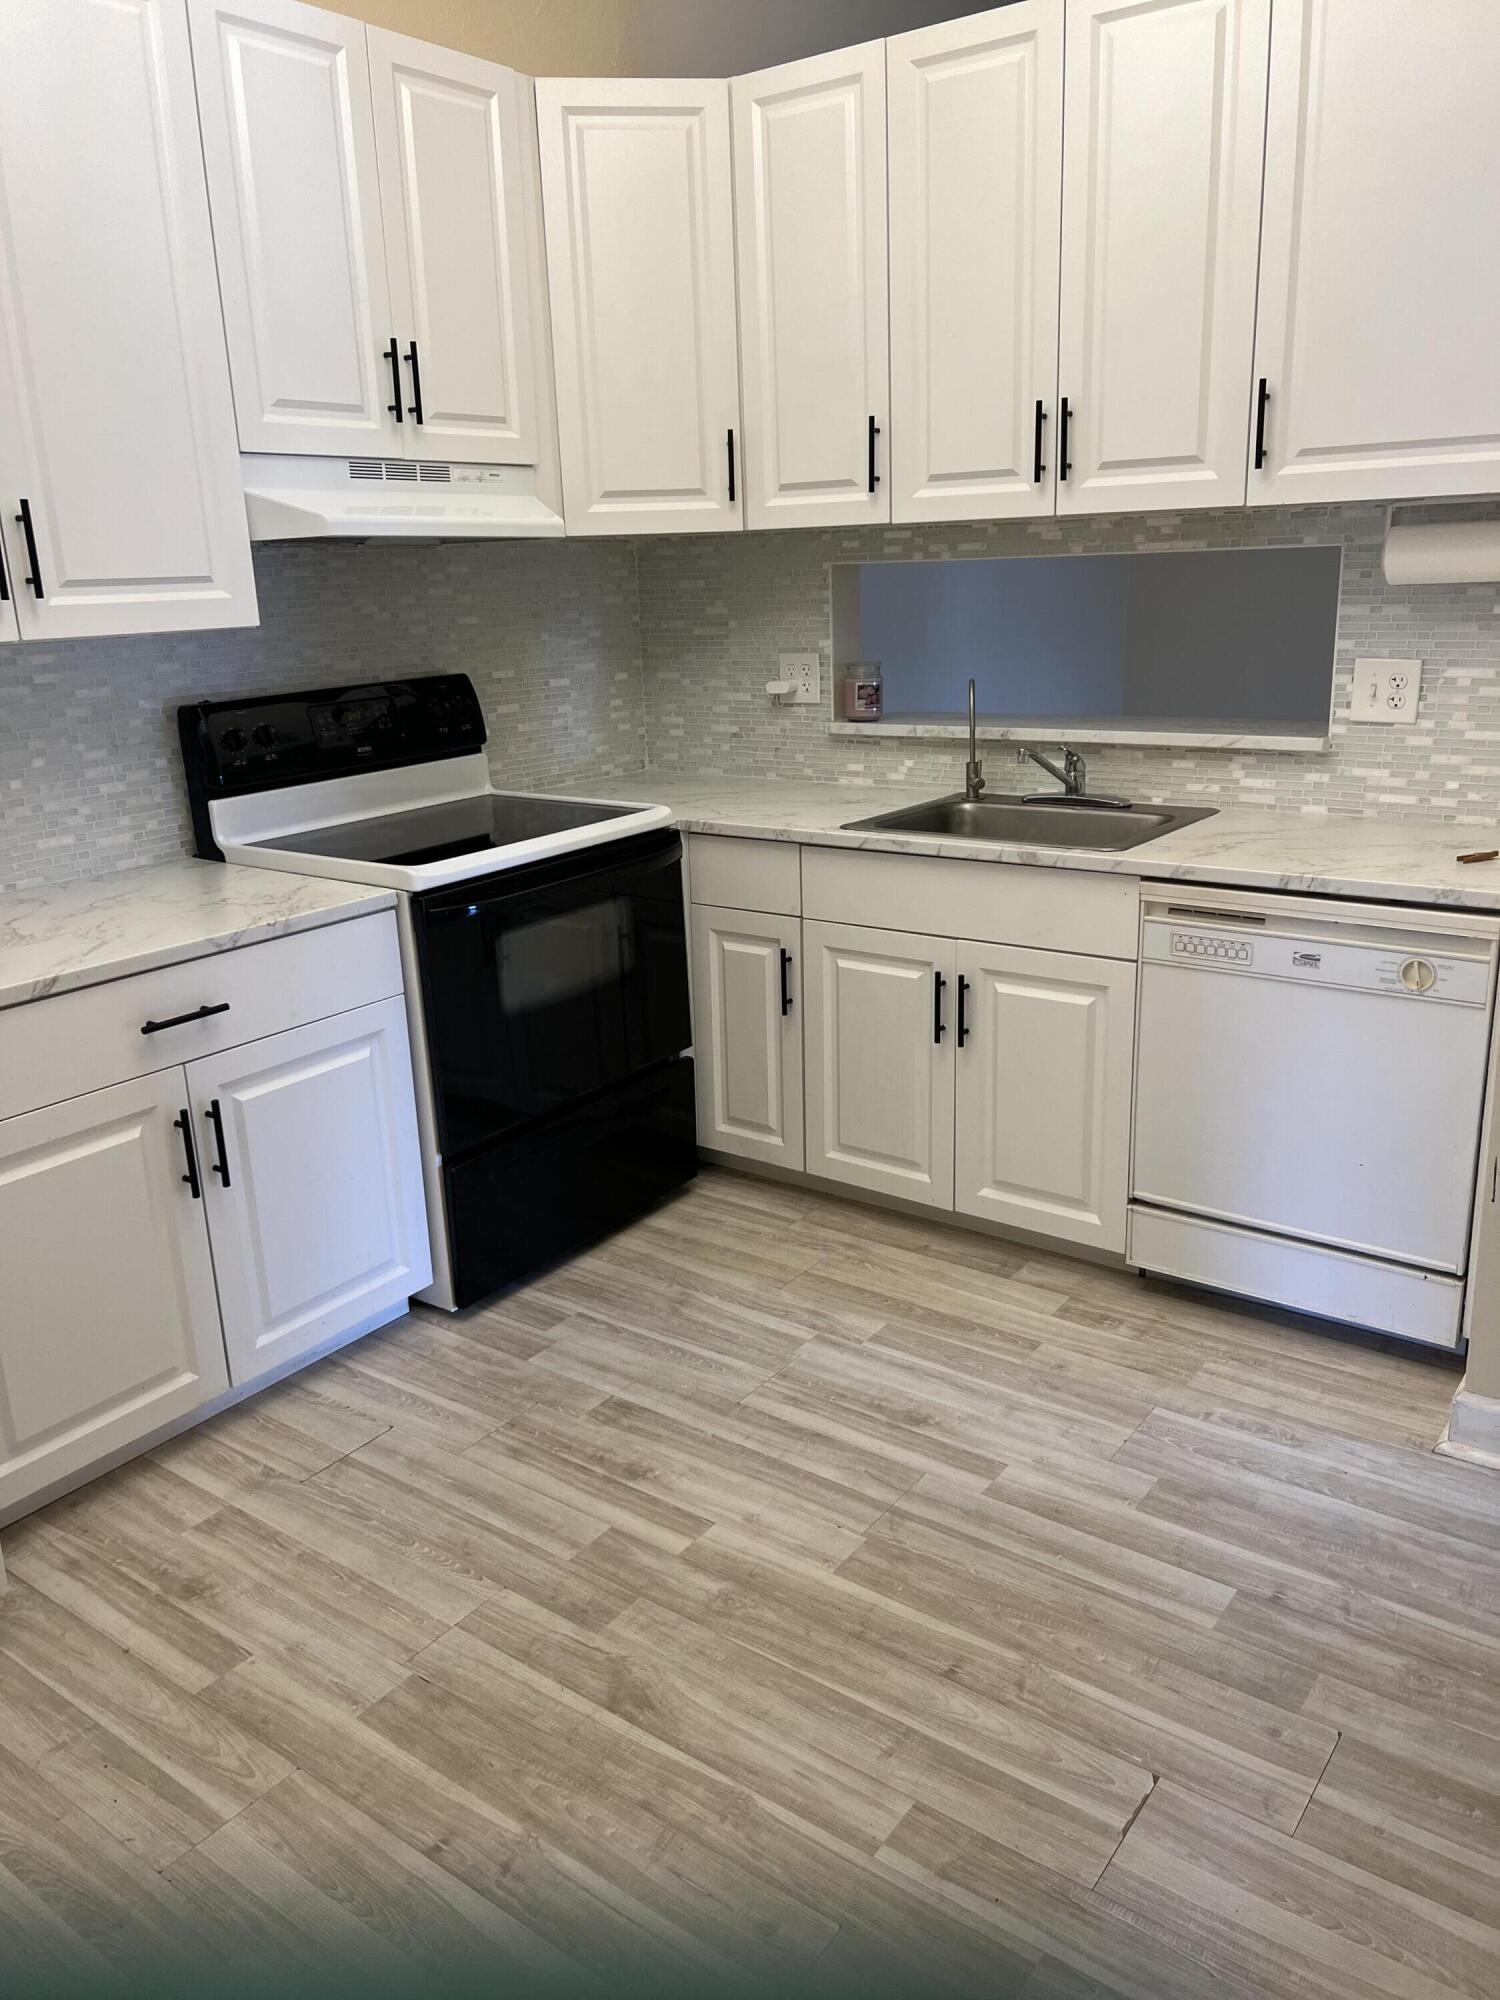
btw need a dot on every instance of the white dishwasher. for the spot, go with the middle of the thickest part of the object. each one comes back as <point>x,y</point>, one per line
<point>1309,1090</point>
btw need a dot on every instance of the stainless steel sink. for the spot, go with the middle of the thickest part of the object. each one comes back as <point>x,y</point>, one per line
<point>1057,822</point>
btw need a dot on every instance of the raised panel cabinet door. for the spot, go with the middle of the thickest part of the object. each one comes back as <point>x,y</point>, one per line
<point>976,200</point>
<point>1379,306</point>
<point>1043,1091</point>
<point>450,135</point>
<point>109,1328</point>
<point>121,505</point>
<point>313,1184</point>
<point>289,141</point>
<point>747,1033</point>
<point>810,231</point>
<point>639,206</point>
<point>880,1034</point>
<point>1164,124</point>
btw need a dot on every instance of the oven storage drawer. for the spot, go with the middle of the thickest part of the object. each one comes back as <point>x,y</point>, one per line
<point>1306,1277</point>
<point>554,1189</point>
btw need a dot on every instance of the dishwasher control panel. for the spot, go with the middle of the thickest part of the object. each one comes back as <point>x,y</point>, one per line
<point>1407,966</point>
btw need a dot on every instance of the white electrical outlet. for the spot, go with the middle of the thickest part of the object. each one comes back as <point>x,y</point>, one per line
<point>1385,690</point>
<point>805,672</point>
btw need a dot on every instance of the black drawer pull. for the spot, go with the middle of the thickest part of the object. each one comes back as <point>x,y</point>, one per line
<point>1262,397</point>
<point>4,586</point>
<point>215,1118</point>
<point>35,578</point>
<point>731,468</point>
<point>416,383</point>
<point>963,1021</point>
<point>786,980</point>
<point>185,1126</point>
<point>874,475</point>
<point>181,1020</point>
<point>1037,465</point>
<point>393,355</point>
<point>1064,421</point>
<point>939,1026</point>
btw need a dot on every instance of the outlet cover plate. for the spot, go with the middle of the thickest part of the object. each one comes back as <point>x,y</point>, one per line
<point>805,670</point>
<point>1385,690</point>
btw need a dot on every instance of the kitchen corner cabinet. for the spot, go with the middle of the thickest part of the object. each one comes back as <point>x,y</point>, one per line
<point>747,975</point>
<point>249,1189</point>
<point>1164,123</point>
<point>810,226</point>
<point>1380,260</point>
<point>975,137</point>
<point>120,502</point>
<point>369,216</point>
<point>639,211</point>
<point>880,1054</point>
<point>1042,1132</point>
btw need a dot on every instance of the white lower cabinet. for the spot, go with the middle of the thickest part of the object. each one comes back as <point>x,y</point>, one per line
<point>880,1047</point>
<point>748,1033</point>
<point>316,1217</point>
<point>1042,1132</point>
<point>109,1328</point>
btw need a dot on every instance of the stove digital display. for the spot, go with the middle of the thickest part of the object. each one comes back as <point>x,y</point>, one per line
<point>344,722</point>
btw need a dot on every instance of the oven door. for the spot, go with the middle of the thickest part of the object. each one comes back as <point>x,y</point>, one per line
<point>545,987</point>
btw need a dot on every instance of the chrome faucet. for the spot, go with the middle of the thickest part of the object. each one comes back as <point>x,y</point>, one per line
<point>973,770</point>
<point>1073,775</point>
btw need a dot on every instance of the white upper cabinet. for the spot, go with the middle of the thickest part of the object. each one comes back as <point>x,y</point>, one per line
<point>1379,316</point>
<point>976,196</point>
<point>810,226</point>
<point>640,244</point>
<point>289,140</point>
<point>1164,122</point>
<point>449,136</point>
<point>120,499</point>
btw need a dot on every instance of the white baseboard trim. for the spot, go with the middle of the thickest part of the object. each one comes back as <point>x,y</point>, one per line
<point>1473,1431</point>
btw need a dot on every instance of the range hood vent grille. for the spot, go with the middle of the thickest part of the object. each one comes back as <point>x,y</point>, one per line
<point>401,471</point>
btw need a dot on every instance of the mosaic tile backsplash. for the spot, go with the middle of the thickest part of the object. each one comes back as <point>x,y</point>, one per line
<point>594,658</point>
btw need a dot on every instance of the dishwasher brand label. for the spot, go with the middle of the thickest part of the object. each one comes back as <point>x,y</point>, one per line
<point>1309,961</point>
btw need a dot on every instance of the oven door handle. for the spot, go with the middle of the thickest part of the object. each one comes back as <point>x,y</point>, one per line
<point>467,899</point>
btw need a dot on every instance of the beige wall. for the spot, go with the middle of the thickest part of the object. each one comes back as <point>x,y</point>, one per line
<point>647,37</point>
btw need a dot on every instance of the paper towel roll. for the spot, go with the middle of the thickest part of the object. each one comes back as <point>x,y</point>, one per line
<point>1443,552</point>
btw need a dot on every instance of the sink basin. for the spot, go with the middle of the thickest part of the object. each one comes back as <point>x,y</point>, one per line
<point>1034,823</point>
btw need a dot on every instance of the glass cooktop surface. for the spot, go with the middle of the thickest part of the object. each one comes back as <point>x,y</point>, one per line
<point>440,833</point>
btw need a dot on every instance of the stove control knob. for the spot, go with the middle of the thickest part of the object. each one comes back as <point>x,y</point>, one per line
<point>233,740</point>
<point>264,735</point>
<point>1418,975</point>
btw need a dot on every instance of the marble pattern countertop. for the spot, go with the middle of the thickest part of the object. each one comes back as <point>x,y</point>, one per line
<point>82,933</point>
<point>1383,860</point>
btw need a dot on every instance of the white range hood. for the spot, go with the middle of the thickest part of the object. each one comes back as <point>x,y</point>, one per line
<point>296,499</point>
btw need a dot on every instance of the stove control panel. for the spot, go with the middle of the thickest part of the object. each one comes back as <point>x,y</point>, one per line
<point>266,741</point>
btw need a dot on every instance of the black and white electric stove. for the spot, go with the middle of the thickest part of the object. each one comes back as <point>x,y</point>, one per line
<point>544,947</point>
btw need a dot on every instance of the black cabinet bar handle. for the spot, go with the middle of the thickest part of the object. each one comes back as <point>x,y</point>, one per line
<point>786,980</point>
<point>4,586</point>
<point>731,467</point>
<point>215,1118</point>
<point>1262,397</point>
<point>963,1021</point>
<point>181,1020</point>
<point>35,578</point>
<point>1037,466</point>
<point>1064,419</point>
<point>874,475</point>
<point>393,355</point>
<point>416,383</point>
<point>939,1028</point>
<point>184,1125</point>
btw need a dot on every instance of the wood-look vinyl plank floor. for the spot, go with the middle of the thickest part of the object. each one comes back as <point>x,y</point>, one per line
<point>780,1593</point>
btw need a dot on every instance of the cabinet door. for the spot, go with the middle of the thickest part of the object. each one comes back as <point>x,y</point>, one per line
<point>1380,256</point>
<point>1043,1126</point>
<point>880,1035</point>
<point>116,428</point>
<point>449,135</point>
<point>640,246</point>
<point>747,1033</point>
<point>810,228</point>
<point>1164,123</point>
<point>289,138</point>
<point>976,201</point>
<point>313,1183</point>
<point>109,1328</point>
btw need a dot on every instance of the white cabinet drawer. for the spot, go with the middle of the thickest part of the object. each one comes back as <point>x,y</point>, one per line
<point>1050,909</point>
<point>60,1047</point>
<point>733,874</point>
